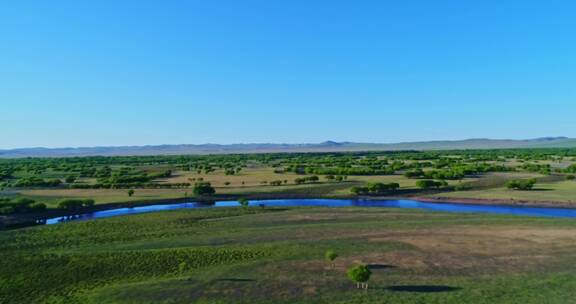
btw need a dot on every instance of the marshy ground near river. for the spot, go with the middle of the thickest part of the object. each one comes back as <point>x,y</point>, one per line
<point>276,255</point>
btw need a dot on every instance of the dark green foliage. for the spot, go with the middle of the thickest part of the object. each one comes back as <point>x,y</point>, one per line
<point>75,203</point>
<point>304,180</point>
<point>37,182</point>
<point>31,272</point>
<point>430,184</point>
<point>375,188</point>
<point>454,170</point>
<point>539,168</point>
<point>570,177</point>
<point>521,184</point>
<point>416,173</point>
<point>378,188</point>
<point>359,274</point>
<point>276,183</point>
<point>571,169</point>
<point>126,172</point>
<point>330,256</point>
<point>62,272</point>
<point>203,188</point>
<point>350,171</point>
<point>131,185</point>
<point>6,173</point>
<point>299,181</point>
<point>20,205</point>
<point>313,179</point>
<point>127,176</point>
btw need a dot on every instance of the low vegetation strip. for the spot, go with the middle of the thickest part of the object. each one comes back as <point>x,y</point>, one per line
<point>65,274</point>
<point>119,230</point>
<point>273,255</point>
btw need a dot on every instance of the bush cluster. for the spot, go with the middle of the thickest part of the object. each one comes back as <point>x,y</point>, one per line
<point>375,188</point>
<point>521,184</point>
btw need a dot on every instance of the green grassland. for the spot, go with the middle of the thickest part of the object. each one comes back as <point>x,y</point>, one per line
<point>276,255</point>
<point>253,185</point>
<point>562,192</point>
<point>490,187</point>
<point>151,179</point>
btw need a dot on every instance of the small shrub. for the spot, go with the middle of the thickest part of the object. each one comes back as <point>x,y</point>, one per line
<point>523,185</point>
<point>75,203</point>
<point>429,184</point>
<point>330,256</point>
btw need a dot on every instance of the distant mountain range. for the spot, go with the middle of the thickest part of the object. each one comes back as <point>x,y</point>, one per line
<point>328,146</point>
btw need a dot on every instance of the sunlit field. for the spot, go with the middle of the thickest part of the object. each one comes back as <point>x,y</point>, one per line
<point>273,255</point>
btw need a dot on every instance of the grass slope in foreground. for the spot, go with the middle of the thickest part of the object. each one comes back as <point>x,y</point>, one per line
<point>273,255</point>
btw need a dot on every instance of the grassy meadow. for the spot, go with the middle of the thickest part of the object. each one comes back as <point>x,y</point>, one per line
<point>254,183</point>
<point>37,188</point>
<point>562,192</point>
<point>275,255</point>
<point>249,182</point>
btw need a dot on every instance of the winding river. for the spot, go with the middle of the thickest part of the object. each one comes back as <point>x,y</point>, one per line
<point>443,207</point>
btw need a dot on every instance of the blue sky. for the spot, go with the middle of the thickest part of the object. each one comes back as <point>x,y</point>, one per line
<point>89,73</point>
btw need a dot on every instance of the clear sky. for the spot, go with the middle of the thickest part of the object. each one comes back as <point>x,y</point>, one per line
<point>89,73</point>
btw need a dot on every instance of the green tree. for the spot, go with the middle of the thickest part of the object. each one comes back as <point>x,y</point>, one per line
<point>429,184</point>
<point>75,203</point>
<point>359,190</point>
<point>130,192</point>
<point>523,185</point>
<point>359,274</point>
<point>330,257</point>
<point>313,179</point>
<point>379,188</point>
<point>203,188</point>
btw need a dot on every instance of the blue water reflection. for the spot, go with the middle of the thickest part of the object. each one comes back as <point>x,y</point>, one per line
<point>444,207</point>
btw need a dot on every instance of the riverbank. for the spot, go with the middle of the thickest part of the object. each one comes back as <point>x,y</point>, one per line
<point>30,219</point>
<point>276,255</point>
<point>496,202</point>
<point>24,220</point>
